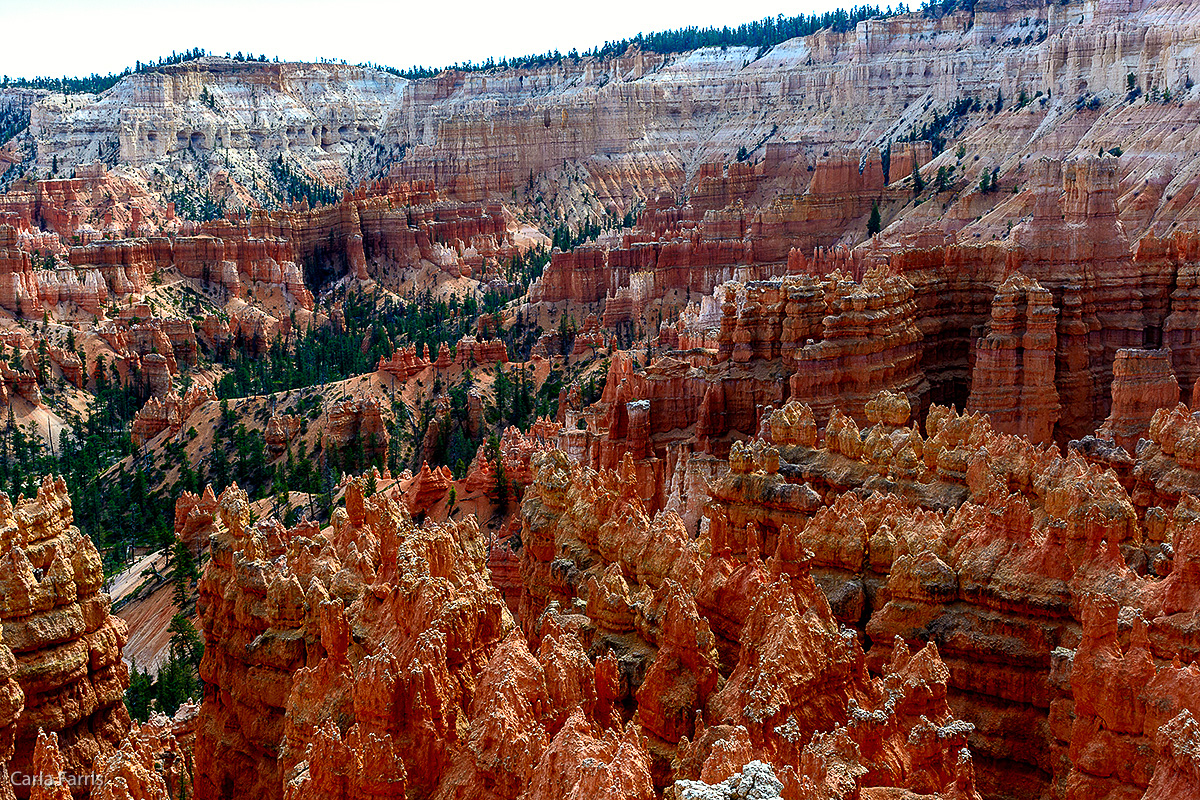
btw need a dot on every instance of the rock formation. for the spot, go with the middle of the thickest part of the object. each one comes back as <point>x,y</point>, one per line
<point>618,117</point>
<point>474,353</point>
<point>1142,384</point>
<point>1012,379</point>
<point>398,668</point>
<point>758,619</point>
<point>18,287</point>
<point>1030,537</point>
<point>404,363</point>
<point>427,487</point>
<point>281,429</point>
<point>151,764</point>
<point>869,342</point>
<point>1167,470</point>
<point>425,624</point>
<point>196,518</point>
<point>168,414</point>
<point>65,647</point>
<point>12,704</point>
<point>773,558</point>
<point>357,424</point>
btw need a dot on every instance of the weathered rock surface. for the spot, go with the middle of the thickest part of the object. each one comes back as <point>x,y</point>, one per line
<point>745,657</point>
<point>12,704</point>
<point>168,414</point>
<point>620,118</point>
<point>1012,379</point>
<point>283,665</point>
<point>65,647</point>
<point>1167,470</point>
<point>875,597</point>
<point>357,425</point>
<point>1142,384</point>
<point>18,285</point>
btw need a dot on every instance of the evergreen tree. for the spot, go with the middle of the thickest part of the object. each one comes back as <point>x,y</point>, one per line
<point>918,181</point>
<point>186,643</point>
<point>502,387</point>
<point>43,362</point>
<point>140,693</point>
<point>501,488</point>
<point>220,469</point>
<point>184,575</point>
<point>874,223</point>
<point>943,179</point>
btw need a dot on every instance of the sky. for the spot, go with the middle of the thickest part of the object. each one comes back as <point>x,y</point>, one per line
<point>79,37</point>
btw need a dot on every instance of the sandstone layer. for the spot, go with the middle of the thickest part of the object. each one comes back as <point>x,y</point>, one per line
<point>65,647</point>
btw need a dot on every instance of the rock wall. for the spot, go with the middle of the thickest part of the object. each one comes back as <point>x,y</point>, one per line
<point>831,341</point>
<point>1012,379</point>
<point>18,286</point>
<point>809,119</point>
<point>273,260</point>
<point>65,647</point>
<point>869,342</point>
<point>1142,384</point>
<point>1026,329</point>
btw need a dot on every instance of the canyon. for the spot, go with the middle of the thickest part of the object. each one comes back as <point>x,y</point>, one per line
<point>814,420</point>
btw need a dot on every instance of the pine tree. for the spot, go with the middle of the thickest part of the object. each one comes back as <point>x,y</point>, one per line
<point>220,466</point>
<point>139,693</point>
<point>918,181</point>
<point>501,487</point>
<point>502,387</point>
<point>184,575</point>
<point>943,179</point>
<point>43,360</point>
<point>186,643</point>
<point>874,223</point>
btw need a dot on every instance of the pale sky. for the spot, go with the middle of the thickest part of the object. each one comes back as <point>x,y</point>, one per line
<point>78,37</point>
